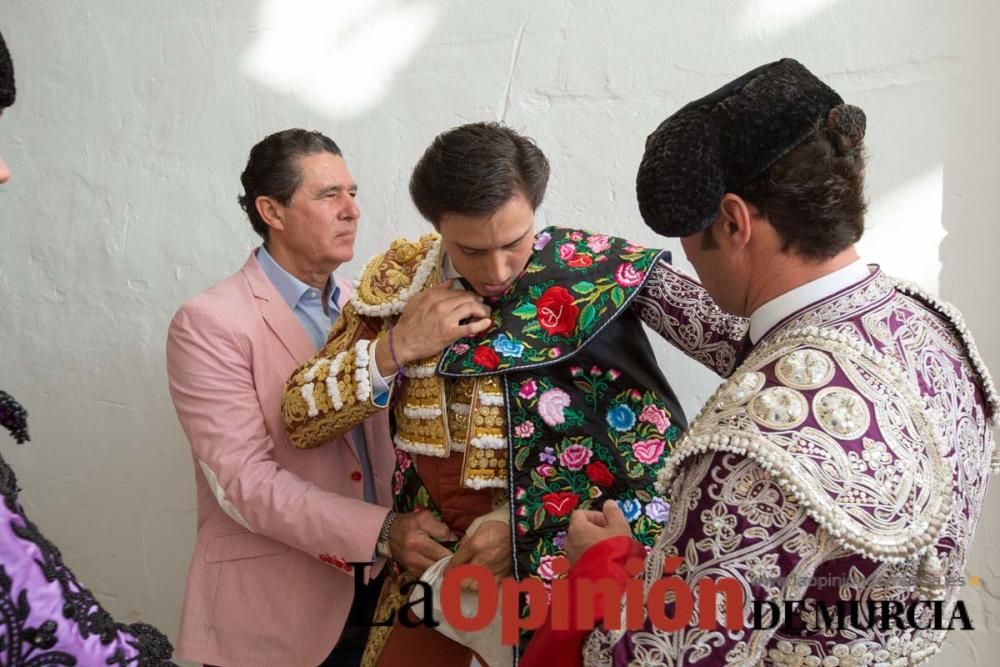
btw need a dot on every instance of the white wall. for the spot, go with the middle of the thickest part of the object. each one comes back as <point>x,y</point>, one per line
<point>134,120</point>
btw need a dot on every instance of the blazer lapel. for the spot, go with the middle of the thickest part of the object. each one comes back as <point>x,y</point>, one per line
<point>279,317</point>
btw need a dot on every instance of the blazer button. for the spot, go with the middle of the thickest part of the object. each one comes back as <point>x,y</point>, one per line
<point>356,476</point>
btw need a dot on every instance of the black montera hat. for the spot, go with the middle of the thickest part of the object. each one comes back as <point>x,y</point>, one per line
<point>6,76</point>
<point>721,142</point>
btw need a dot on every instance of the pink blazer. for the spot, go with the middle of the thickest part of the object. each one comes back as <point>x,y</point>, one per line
<point>267,584</point>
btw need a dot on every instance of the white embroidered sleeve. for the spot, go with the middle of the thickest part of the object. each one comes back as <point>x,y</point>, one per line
<point>678,308</point>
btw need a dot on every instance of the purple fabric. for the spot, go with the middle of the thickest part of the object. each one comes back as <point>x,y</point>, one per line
<point>726,498</point>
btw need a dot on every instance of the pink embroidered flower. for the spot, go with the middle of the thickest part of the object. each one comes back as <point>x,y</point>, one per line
<point>403,460</point>
<point>614,374</point>
<point>598,243</point>
<point>520,493</point>
<point>545,567</point>
<point>554,352</point>
<point>655,416</point>
<point>648,451</point>
<point>595,371</point>
<point>575,236</point>
<point>545,470</point>
<point>636,396</point>
<point>524,430</point>
<point>626,275</point>
<point>521,528</point>
<point>460,349</point>
<point>397,483</point>
<point>551,405</point>
<point>567,251</point>
<point>521,512</point>
<point>634,247</point>
<point>528,390</point>
<point>575,457</point>
<point>575,371</point>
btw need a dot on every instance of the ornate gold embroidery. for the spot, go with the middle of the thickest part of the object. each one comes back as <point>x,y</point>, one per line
<point>321,400</point>
<point>391,278</point>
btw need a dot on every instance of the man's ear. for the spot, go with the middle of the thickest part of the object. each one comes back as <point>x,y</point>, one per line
<point>733,225</point>
<point>270,212</point>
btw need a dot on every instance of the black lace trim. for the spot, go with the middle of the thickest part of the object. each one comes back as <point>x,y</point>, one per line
<point>14,417</point>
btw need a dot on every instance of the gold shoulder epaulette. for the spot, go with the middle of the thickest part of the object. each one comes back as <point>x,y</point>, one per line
<point>391,278</point>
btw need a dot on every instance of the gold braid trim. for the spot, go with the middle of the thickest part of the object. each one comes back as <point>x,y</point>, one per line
<point>390,602</point>
<point>390,279</point>
<point>318,408</point>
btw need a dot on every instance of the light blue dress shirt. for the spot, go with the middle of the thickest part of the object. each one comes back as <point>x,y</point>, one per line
<point>307,303</point>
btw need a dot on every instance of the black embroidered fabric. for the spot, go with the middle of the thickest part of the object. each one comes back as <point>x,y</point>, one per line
<point>21,644</point>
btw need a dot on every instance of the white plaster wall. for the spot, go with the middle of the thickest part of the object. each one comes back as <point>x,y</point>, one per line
<point>134,120</point>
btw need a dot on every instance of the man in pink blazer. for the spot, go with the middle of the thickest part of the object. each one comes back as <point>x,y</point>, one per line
<point>270,581</point>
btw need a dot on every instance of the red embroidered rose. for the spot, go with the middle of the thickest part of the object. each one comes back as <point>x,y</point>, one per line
<point>486,357</point>
<point>561,503</point>
<point>580,261</point>
<point>556,312</point>
<point>599,474</point>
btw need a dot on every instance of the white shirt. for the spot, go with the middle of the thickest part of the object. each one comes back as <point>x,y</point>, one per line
<point>777,309</point>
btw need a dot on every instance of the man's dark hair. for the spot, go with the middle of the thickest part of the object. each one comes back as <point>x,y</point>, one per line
<point>814,196</point>
<point>273,169</point>
<point>475,169</point>
<point>7,89</point>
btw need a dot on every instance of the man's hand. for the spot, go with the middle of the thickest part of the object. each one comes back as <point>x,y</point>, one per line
<point>488,547</point>
<point>412,541</point>
<point>587,528</point>
<point>431,322</point>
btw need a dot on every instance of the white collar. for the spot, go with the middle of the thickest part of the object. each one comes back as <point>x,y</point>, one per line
<point>448,270</point>
<point>774,311</point>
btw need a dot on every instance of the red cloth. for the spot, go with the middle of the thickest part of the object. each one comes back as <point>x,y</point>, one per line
<point>604,560</point>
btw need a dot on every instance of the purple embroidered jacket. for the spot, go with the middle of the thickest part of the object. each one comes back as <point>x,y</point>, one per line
<point>846,458</point>
<point>46,616</point>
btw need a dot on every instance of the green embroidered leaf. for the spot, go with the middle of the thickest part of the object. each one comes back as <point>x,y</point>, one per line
<point>526,311</point>
<point>583,287</point>
<point>534,268</point>
<point>531,329</point>
<point>535,291</point>
<point>587,317</point>
<point>539,518</point>
<point>423,499</point>
<point>643,495</point>
<point>618,296</point>
<point>536,479</point>
<point>521,456</point>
